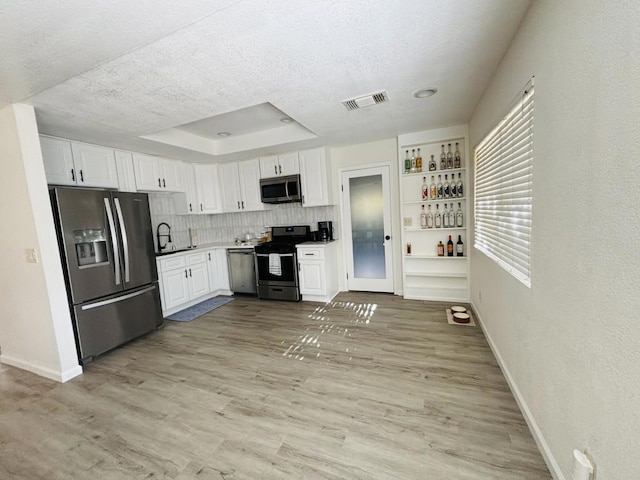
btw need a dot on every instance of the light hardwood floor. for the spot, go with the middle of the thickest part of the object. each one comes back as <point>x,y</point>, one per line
<point>370,386</point>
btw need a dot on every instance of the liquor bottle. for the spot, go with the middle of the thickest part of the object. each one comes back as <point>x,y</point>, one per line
<point>432,189</point>
<point>452,216</point>
<point>459,247</point>
<point>425,189</point>
<point>450,247</point>
<point>438,217</point>
<point>440,190</point>
<point>407,162</point>
<point>449,158</point>
<point>456,157</point>
<point>454,187</point>
<point>443,159</point>
<point>419,162</point>
<point>447,187</point>
<point>440,249</point>
<point>413,161</point>
<point>429,217</point>
<point>423,218</point>
<point>432,164</point>
<point>459,190</point>
<point>459,216</point>
<point>445,217</point>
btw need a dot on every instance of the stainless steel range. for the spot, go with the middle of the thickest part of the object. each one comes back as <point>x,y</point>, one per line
<point>277,263</point>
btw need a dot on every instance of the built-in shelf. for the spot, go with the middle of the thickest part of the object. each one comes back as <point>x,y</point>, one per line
<point>436,274</point>
<point>434,257</point>
<point>439,200</point>
<point>426,173</point>
<point>441,229</point>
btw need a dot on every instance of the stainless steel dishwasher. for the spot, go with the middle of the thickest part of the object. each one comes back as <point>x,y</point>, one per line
<point>242,270</point>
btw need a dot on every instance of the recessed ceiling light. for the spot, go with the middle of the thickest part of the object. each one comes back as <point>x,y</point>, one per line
<point>286,120</point>
<point>223,134</point>
<point>425,92</point>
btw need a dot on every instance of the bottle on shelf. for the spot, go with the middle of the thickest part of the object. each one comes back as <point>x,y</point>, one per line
<point>413,161</point>
<point>459,190</point>
<point>432,164</point>
<point>456,157</point>
<point>449,158</point>
<point>459,247</point>
<point>459,216</point>
<point>437,217</point>
<point>450,247</point>
<point>423,218</point>
<point>419,162</point>
<point>445,217</point>
<point>440,249</point>
<point>446,187</point>
<point>454,187</point>
<point>443,159</point>
<point>440,190</point>
<point>407,162</point>
<point>429,217</point>
<point>425,189</point>
<point>452,216</point>
<point>432,189</point>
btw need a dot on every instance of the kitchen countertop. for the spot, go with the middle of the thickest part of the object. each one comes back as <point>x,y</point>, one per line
<point>319,243</point>
<point>208,246</point>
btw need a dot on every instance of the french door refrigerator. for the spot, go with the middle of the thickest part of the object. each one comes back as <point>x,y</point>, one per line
<point>108,257</point>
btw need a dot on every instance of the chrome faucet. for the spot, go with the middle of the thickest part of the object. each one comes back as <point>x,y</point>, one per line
<point>163,235</point>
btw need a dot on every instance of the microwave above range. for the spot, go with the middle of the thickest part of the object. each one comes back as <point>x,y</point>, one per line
<point>281,189</point>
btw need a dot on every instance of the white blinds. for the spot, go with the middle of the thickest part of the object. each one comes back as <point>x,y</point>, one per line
<point>503,190</point>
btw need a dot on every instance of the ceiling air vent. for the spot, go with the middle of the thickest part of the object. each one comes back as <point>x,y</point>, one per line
<point>365,101</point>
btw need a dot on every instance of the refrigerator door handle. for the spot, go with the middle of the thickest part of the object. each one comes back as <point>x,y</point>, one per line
<point>117,299</point>
<point>114,240</point>
<point>125,240</point>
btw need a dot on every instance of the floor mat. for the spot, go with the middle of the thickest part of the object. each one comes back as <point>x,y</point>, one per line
<point>199,309</point>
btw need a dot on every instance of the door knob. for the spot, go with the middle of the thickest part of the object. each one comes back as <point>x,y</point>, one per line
<point>387,237</point>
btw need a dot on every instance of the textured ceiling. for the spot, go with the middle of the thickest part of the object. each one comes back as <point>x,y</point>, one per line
<point>110,71</point>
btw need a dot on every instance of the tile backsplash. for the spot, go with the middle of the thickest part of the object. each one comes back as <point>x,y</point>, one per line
<point>226,227</point>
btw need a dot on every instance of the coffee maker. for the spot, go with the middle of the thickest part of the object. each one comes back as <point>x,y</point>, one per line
<point>325,231</point>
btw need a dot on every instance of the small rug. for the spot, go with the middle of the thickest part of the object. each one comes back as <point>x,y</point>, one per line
<point>199,309</point>
<point>452,322</point>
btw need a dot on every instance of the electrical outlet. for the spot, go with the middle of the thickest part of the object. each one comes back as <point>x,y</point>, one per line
<point>31,255</point>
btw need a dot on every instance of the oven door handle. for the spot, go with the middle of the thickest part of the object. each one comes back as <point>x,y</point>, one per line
<point>280,254</point>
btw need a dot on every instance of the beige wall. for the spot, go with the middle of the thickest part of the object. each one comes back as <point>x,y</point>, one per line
<point>570,343</point>
<point>35,324</point>
<point>361,156</point>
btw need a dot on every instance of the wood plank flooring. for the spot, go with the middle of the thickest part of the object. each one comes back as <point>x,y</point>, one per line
<point>370,386</point>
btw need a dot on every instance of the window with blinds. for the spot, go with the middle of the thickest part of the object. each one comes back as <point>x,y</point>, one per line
<point>503,190</point>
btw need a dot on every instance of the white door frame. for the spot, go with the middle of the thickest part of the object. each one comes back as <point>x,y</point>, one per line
<point>374,285</point>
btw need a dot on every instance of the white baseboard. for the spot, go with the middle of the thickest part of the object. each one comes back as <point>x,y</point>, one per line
<point>543,446</point>
<point>42,371</point>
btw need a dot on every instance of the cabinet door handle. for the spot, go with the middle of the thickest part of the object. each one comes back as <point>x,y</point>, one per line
<point>243,205</point>
<point>190,207</point>
<point>164,184</point>
<point>201,208</point>
<point>280,168</point>
<point>81,176</point>
<point>238,204</point>
<point>310,254</point>
<point>159,184</point>
<point>185,274</point>
<point>73,175</point>
<point>275,169</point>
<point>303,199</point>
<point>190,273</point>
<point>209,256</point>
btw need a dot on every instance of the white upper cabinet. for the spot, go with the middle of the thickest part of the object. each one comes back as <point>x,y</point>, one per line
<point>208,188</point>
<point>71,163</point>
<point>58,161</point>
<point>240,185</point>
<point>186,203</point>
<point>314,178</point>
<point>279,165</point>
<point>124,168</point>
<point>155,174</point>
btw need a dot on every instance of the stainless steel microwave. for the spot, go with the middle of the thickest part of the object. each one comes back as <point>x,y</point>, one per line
<point>280,189</point>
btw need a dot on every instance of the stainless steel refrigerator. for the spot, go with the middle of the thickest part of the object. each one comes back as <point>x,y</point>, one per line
<point>108,256</point>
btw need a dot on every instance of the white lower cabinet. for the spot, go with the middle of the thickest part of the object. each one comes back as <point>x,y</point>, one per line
<point>184,279</point>
<point>218,270</point>
<point>317,270</point>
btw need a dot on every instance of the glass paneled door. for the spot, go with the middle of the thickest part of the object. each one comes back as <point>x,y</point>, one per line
<point>367,215</point>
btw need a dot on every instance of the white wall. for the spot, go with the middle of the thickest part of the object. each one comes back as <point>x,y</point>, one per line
<point>35,324</point>
<point>571,344</point>
<point>361,156</point>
